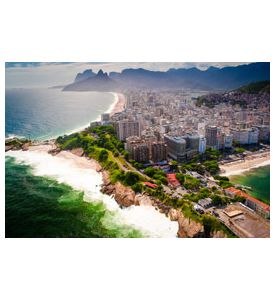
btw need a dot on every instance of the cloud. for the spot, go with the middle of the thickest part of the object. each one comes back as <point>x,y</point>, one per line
<point>45,74</point>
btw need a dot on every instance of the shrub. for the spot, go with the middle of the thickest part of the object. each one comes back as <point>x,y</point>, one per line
<point>103,155</point>
<point>131,178</point>
<point>137,187</point>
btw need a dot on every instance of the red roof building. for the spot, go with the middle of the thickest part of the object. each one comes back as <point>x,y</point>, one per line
<point>150,185</point>
<point>172,180</point>
<point>262,208</point>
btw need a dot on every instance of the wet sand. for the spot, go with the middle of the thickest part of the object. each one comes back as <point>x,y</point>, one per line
<point>120,104</point>
<point>250,162</point>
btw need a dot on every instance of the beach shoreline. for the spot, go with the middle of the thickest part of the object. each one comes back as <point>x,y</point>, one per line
<point>119,104</point>
<point>245,165</point>
<point>132,214</point>
<point>116,107</point>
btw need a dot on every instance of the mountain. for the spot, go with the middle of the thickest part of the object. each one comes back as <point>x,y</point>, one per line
<point>226,78</point>
<point>100,82</point>
<point>84,75</point>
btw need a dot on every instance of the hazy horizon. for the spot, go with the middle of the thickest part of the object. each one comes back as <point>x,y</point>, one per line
<point>47,74</point>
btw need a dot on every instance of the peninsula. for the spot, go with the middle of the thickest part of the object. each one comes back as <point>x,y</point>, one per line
<point>182,177</point>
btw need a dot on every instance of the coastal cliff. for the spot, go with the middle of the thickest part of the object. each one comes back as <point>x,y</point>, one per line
<point>126,197</point>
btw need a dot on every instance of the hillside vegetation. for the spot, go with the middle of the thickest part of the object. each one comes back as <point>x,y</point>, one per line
<point>256,87</point>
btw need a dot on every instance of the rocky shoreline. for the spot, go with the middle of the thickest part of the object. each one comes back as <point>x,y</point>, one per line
<point>126,197</point>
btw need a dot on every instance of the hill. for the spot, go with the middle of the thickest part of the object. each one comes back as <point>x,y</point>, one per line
<point>227,78</point>
<point>253,95</point>
<point>256,87</point>
<point>84,75</point>
<point>100,82</point>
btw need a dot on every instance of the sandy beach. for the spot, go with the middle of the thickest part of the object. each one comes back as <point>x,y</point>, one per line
<point>250,162</point>
<point>119,105</point>
<point>76,154</point>
<point>81,162</point>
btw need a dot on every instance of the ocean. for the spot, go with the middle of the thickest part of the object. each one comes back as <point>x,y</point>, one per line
<point>258,179</point>
<point>43,113</point>
<point>49,196</point>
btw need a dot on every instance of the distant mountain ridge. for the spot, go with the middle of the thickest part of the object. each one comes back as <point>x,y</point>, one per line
<point>213,78</point>
<point>84,75</point>
<point>98,82</point>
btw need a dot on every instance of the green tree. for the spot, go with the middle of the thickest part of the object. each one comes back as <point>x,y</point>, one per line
<point>103,155</point>
<point>174,165</point>
<point>137,187</point>
<point>131,178</point>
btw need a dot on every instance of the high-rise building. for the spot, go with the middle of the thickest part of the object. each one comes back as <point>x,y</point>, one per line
<point>140,152</point>
<point>176,147</point>
<point>246,136</point>
<point>220,140</point>
<point>264,133</point>
<point>159,151</point>
<point>137,148</point>
<point>240,136</point>
<point>211,134</point>
<point>253,136</point>
<point>182,148</point>
<point>127,128</point>
<point>228,140</point>
<point>192,141</point>
<point>131,142</point>
<point>149,139</point>
<point>202,144</point>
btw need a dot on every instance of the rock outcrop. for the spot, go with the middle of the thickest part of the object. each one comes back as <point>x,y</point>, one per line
<point>125,196</point>
<point>218,234</point>
<point>77,151</point>
<point>187,228</point>
<point>54,151</point>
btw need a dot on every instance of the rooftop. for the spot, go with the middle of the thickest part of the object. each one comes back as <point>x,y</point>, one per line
<point>245,195</point>
<point>172,179</point>
<point>149,184</point>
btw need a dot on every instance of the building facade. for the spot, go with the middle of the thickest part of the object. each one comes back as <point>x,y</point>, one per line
<point>126,129</point>
<point>202,144</point>
<point>211,134</point>
<point>182,148</point>
<point>176,147</point>
<point>159,151</point>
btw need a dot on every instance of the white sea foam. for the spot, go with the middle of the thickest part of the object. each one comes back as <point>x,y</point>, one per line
<point>112,106</point>
<point>82,177</point>
<point>13,136</point>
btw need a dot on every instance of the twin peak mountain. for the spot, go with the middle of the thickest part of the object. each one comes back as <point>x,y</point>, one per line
<point>212,79</point>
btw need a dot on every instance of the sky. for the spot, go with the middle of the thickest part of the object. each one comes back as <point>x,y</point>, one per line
<point>47,74</point>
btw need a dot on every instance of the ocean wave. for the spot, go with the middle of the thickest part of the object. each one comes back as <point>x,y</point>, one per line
<point>14,136</point>
<point>144,218</point>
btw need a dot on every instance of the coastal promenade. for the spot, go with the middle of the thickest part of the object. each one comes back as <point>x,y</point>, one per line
<point>256,160</point>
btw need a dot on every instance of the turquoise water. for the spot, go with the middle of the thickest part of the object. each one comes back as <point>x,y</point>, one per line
<point>45,194</point>
<point>259,180</point>
<point>38,206</point>
<point>47,113</point>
